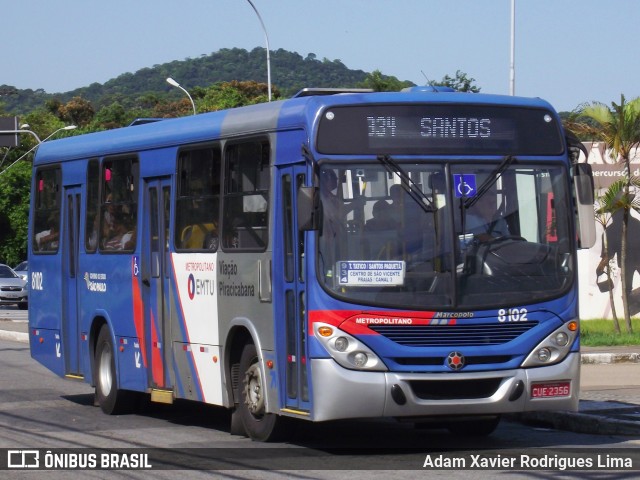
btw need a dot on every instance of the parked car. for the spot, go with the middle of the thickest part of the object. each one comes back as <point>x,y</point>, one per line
<point>13,288</point>
<point>22,269</point>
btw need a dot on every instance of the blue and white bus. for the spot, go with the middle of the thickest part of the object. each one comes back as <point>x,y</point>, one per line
<point>318,258</point>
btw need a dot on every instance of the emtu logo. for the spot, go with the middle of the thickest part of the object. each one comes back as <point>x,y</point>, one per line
<point>191,286</point>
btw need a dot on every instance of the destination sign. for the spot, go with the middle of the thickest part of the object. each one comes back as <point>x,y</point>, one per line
<point>371,273</point>
<point>433,129</point>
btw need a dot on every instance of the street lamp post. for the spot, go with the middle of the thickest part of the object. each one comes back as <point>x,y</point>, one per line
<point>21,130</point>
<point>266,37</point>
<point>512,69</point>
<point>68,127</point>
<point>172,82</point>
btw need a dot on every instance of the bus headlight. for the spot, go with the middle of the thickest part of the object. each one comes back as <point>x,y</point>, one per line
<point>360,359</point>
<point>562,339</point>
<point>544,354</point>
<point>341,344</point>
<point>347,350</point>
<point>554,348</point>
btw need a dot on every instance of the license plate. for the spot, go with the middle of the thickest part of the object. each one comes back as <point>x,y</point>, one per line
<point>546,390</point>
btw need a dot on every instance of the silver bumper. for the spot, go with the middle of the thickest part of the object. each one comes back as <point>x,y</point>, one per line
<point>341,393</point>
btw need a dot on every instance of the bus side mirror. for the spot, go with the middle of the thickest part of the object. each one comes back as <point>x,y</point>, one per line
<point>583,180</point>
<point>308,211</point>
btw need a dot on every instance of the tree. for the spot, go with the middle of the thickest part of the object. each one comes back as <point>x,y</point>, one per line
<point>15,186</point>
<point>111,116</point>
<point>232,94</point>
<point>180,108</point>
<point>460,83</point>
<point>605,206</point>
<point>77,111</point>
<point>619,127</point>
<point>383,83</point>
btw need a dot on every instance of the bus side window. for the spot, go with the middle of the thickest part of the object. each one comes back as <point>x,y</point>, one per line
<point>197,202</point>
<point>47,211</point>
<point>92,220</point>
<point>246,199</point>
<point>119,208</point>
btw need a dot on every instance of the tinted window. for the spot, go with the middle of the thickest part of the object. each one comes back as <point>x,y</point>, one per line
<point>246,200</point>
<point>46,218</point>
<point>198,202</point>
<point>119,207</point>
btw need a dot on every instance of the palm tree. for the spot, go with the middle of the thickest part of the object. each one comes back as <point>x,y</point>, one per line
<point>619,128</point>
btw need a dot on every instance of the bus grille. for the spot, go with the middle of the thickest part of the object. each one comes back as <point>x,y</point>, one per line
<point>453,335</point>
<point>455,390</point>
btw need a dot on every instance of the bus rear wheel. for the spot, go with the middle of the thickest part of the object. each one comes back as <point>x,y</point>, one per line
<point>257,423</point>
<point>111,400</point>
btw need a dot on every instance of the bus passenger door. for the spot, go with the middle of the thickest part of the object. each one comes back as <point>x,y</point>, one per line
<point>156,273</point>
<point>290,291</point>
<point>70,248</point>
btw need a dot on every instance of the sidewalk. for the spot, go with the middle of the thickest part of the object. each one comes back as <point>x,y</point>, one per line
<point>609,395</point>
<point>609,390</point>
<point>14,331</point>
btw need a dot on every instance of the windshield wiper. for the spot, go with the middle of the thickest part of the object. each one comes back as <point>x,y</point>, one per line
<point>489,182</point>
<point>407,184</point>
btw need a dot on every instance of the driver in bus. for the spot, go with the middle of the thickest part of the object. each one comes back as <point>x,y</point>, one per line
<point>484,218</point>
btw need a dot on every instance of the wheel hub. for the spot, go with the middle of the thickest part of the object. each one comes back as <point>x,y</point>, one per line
<point>254,397</point>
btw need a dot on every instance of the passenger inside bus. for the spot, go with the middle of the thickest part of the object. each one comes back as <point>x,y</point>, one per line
<point>47,240</point>
<point>123,235</point>
<point>200,236</point>
<point>416,223</point>
<point>383,241</point>
<point>382,217</point>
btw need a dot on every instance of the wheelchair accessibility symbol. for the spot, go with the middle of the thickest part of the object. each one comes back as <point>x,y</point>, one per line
<point>464,185</point>
<point>135,265</point>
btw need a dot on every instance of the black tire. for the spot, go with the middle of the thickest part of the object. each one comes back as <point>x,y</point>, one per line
<point>478,427</point>
<point>258,424</point>
<point>111,400</point>
<point>23,306</point>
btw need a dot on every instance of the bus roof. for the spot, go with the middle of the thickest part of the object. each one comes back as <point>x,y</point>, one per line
<point>300,112</point>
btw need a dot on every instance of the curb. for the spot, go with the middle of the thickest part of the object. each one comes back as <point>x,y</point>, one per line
<point>593,358</point>
<point>21,337</point>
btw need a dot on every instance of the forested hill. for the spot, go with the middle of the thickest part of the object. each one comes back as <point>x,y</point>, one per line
<point>290,72</point>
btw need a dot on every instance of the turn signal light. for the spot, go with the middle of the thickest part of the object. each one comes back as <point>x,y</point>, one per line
<point>325,331</point>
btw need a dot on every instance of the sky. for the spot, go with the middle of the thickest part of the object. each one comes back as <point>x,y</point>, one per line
<point>566,51</point>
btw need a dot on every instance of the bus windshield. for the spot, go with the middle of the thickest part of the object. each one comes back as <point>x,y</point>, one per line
<point>421,235</point>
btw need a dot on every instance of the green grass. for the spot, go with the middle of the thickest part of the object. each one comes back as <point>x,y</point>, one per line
<point>601,333</point>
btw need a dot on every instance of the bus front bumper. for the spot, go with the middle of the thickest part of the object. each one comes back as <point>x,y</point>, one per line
<point>341,393</point>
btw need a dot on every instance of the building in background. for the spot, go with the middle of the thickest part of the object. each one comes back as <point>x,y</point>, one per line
<point>594,293</point>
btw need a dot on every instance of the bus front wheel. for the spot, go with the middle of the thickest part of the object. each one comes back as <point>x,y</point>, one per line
<point>111,400</point>
<point>258,424</point>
